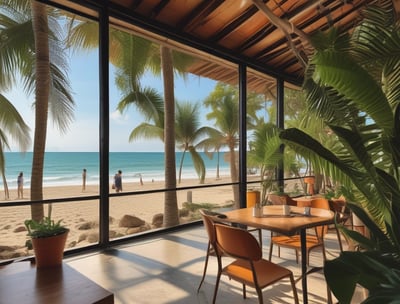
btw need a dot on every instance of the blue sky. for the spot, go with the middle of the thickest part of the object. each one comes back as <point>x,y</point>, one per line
<point>83,132</point>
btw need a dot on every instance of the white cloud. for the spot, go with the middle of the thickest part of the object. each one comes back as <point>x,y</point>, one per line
<point>119,118</point>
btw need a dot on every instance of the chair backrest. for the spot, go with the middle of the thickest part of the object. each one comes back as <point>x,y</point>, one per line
<point>321,203</point>
<point>290,201</point>
<point>283,199</point>
<point>304,203</point>
<point>237,243</point>
<point>339,206</point>
<point>209,226</point>
<point>275,199</point>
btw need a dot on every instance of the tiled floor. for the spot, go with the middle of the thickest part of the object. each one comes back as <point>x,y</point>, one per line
<point>168,268</point>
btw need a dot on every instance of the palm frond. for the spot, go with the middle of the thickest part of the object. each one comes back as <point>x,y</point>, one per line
<point>147,101</point>
<point>341,72</point>
<point>147,131</point>
<point>198,163</point>
<point>13,124</point>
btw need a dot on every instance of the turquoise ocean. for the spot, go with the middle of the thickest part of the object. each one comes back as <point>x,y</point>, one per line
<point>65,168</point>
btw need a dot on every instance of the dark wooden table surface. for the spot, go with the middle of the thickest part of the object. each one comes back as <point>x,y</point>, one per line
<point>21,282</point>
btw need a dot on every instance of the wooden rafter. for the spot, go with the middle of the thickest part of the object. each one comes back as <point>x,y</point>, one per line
<point>286,27</point>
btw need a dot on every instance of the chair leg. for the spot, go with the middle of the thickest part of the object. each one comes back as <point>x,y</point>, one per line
<point>293,283</point>
<point>324,252</point>
<point>216,286</point>
<point>260,295</point>
<point>205,267</point>
<point>329,295</point>
<point>339,239</point>
<point>244,291</point>
<point>271,245</point>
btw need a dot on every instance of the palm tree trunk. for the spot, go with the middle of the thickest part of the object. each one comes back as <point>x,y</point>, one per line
<point>40,29</point>
<point>171,202</point>
<point>6,192</point>
<point>181,165</point>
<point>217,176</point>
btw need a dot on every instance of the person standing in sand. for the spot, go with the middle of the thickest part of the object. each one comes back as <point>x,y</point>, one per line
<point>84,180</point>
<point>20,184</point>
<point>118,181</point>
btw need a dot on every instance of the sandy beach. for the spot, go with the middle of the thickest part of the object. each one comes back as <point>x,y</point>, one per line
<point>82,216</point>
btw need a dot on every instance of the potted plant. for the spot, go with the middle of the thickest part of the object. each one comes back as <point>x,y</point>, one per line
<point>48,241</point>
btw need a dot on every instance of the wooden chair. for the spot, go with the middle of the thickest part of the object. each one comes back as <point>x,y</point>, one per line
<point>248,268</point>
<point>280,199</point>
<point>211,247</point>
<point>208,220</point>
<point>283,199</point>
<point>313,241</point>
<point>343,216</point>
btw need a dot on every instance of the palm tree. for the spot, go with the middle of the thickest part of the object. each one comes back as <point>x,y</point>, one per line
<point>37,51</point>
<point>12,55</point>
<point>52,94</point>
<point>213,144</point>
<point>224,104</point>
<point>171,217</point>
<point>133,56</point>
<point>11,123</point>
<point>310,123</point>
<point>265,154</point>
<point>169,63</point>
<point>190,136</point>
<point>151,108</point>
<point>353,84</point>
<point>225,108</point>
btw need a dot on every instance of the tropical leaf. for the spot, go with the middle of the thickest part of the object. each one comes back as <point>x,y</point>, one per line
<point>338,70</point>
<point>352,83</point>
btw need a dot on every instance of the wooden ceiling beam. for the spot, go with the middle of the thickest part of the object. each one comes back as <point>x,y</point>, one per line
<point>287,28</point>
<point>197,15</point>
<point>283,24</point>
<point>235,23</point>
<point>135,4</point>
<point>256,37</point>
<point>266,52</point>
<point>268,29</point>
<point>158,8</point>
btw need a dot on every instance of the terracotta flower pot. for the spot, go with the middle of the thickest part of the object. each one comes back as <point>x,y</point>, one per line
<point>49,251</point>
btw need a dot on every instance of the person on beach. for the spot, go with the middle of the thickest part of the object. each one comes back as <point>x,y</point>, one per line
<point>118,181</point>
<point>84,180</point>
<point>20,184</point>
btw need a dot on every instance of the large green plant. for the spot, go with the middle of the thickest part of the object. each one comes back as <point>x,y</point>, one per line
<point>353,84</point>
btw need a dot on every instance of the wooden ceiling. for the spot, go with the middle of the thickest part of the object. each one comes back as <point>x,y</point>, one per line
<point>270,36</point>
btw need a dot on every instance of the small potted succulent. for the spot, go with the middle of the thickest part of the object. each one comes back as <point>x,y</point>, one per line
<point>48,241</point>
